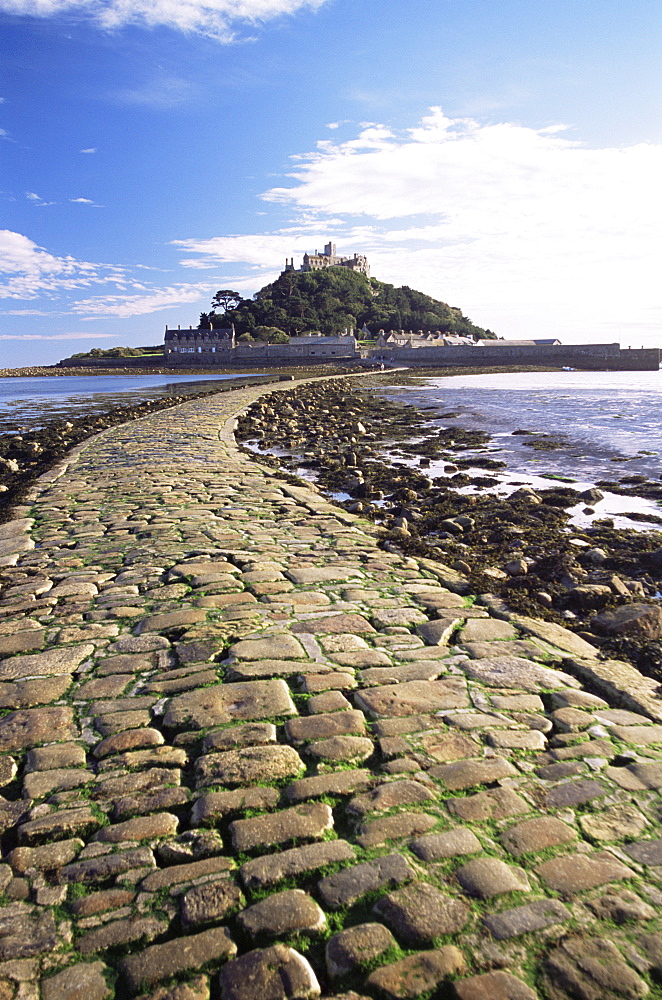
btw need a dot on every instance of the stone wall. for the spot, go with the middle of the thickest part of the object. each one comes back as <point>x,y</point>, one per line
<point>596,357</point>
<point>300,349</point>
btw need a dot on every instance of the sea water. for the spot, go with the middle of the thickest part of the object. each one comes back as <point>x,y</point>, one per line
<point>29,402</point>
<point>609,425</point>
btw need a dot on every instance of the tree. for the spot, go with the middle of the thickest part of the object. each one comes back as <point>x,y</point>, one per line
<point>270,334</point>
<point>226,299</point>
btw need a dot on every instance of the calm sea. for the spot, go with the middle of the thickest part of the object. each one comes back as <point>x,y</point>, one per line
<point>610,424</point>
<point>30,402</point>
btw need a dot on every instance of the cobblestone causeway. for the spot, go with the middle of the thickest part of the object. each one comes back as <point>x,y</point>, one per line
<point>240,763</point>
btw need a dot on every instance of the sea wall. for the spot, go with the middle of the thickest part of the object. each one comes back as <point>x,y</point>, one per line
<point>591,357</point>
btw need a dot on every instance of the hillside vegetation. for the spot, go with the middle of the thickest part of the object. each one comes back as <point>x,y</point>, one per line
<point>335,299</point>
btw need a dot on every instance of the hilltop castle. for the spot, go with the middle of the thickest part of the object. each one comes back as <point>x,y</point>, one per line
<point>329,258</point>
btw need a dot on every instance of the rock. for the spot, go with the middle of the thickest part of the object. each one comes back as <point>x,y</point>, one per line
<point>62,660</point>
<point>467,773</point>
<point>341,750</point>
<point>449,844</point>
<point>98,902</point>
<point>106,866</point>
<point>121,932</point>
<point>251,734</point>
<point>40,691</point>
<point>170,619</point>
<point>622,907</point>
<point>356,947</point>
<point>303,822</point>
<point>208,808</point>
<point>396,827</point>
<point>50,857</point>
<point>646,852</point>
<point>273,868</point>
<point>278,647</point>
<point>141,828</point>
<point>179,874</point>
<point>487,630</point>
<point>569,874</point>
<point>334,783</point>
<point>638,620</point>
<point>31,726</point>
<point>23,935</point>
<point>210,902</point>
<point>58,826</point>
<point>590,968</point>
<point>493,986</point>
<point>574,793</point>
<point>345,887</point>
<point>223,703</point>
<point>497,803</point>
<point>275,973</point>
<point>419,913</point>
<point>537,835</point>
<point>590,595</point>
<point>487,877</point>
<point>301,730</point>
<point>516,672</point>
<point>527,919</point>
<point>555,635</point>
<point>175,957</point>
<point>416,974</point>
<point>195,989</point>
<point>283,913</point>
<point>249,766</point>
<point>621,821</point>
<point>437,633</point>
<point>397,700</point>
<point>390,795</point>
<point>85,981</point>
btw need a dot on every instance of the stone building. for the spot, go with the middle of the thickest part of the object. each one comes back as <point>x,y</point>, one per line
<point>329,258</point>
<point>189,348</point>
<point>193,341</point>
<point>421,338</point>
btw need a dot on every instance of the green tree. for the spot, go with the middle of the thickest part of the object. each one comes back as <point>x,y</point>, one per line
<point>226,299</point>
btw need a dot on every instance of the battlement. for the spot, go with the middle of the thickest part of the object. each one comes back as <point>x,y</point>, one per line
<point>330,258</point>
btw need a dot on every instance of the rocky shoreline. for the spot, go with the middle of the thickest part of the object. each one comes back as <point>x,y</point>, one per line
<point>599,581</point>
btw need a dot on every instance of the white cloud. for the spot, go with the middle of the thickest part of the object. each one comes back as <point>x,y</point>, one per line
<point>85,201</point>
<point>524,228</point>
<point>28,270</point>
<point>92,149</point>
<point>218,19</point>
<point>153,300</point>
<point>31,272</point>
<point>31,196</point>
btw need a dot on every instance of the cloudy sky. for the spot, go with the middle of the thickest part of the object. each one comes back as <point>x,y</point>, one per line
<point>502,155</point>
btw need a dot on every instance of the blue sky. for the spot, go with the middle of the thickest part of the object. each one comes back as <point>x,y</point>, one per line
<point>502,155</point>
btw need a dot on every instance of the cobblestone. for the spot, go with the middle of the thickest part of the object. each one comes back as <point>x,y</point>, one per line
<point>232,727</point>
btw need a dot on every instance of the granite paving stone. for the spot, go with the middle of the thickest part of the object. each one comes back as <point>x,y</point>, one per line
<point>355,947</point>
<point>527,919</point>
<point>574,873</point>
<point>290,912</point>
<point>352,883</point>
<point>419,913</point>
<point>487,877</point>
<point>417,974</point>
<point>498,985</point>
